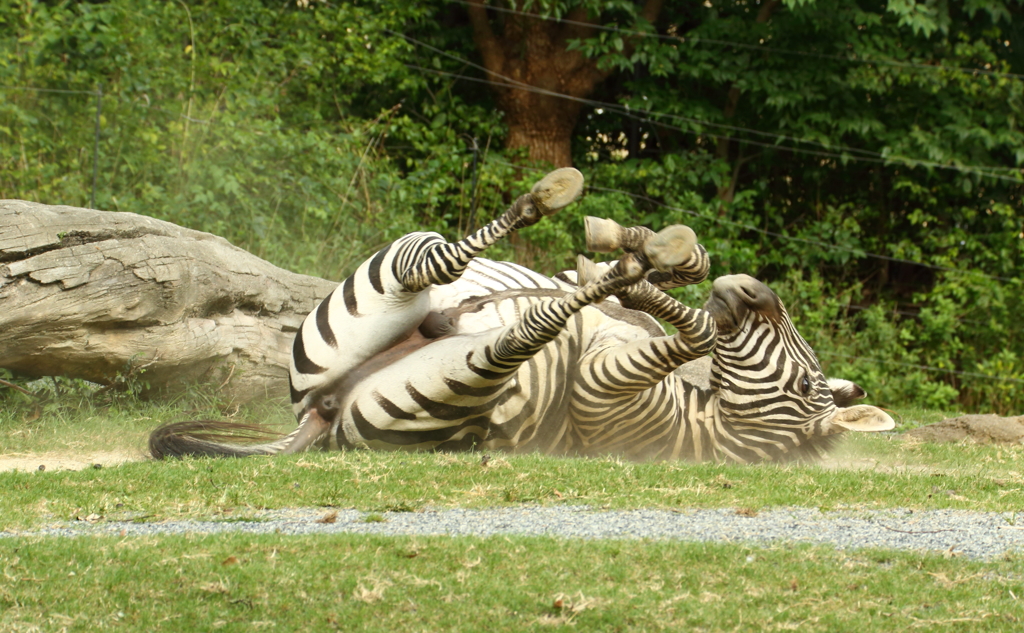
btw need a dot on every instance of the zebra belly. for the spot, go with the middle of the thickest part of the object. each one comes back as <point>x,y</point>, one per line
<point>367,314</point>
<point>359,339</point>
<point>448,406</point>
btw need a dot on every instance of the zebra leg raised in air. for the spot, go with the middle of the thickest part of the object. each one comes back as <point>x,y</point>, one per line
<point>674,246</point>
<point>676,261</point>
<point>624,400</point>
<point>384,303</point>
<point>381,310</point>
<point>441,263</point>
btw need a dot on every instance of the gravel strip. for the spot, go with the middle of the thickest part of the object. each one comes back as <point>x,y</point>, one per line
<point>977,535</point>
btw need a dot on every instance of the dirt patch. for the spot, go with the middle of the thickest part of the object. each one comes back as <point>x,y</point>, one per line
<point>848,462</point>
<point>61,461</point>
<point>983,429</point>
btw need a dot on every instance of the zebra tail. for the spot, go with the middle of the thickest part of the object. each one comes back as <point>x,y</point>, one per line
<point>208,438</point>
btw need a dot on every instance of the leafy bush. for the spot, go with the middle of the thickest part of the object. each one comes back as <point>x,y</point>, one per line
<point>311,135</point>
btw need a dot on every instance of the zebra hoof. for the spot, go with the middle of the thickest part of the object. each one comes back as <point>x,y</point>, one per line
<point>588,271</point>
<point>558,189</point>
<point>631,269</point>
<point>603,236</point>
<point>672,246</point>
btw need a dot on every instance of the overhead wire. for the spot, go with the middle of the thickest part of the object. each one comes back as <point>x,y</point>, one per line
<point>697,214</point>
<point>759,47</point>
<point>57,90</point>
<point>782,236</point>
<point>868,155</point>
<point>982,171</point>
<point>649,200</point>
<point>96,93</point>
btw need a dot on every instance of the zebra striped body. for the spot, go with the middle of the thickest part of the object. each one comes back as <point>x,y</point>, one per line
<point>429,347</point>
<point>562,400</point>
<point>542,404</point>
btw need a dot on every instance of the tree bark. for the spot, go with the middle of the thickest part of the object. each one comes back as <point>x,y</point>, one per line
<point>539,84</point>
<point>727,192</point>
<point>94,295</point>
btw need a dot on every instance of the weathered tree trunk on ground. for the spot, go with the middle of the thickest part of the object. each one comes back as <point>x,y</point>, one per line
<point>91,294</point>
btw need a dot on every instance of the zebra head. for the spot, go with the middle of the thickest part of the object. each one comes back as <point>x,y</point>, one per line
<point>768,380</point>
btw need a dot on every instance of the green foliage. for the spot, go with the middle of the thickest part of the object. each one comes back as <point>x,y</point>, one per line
<point>235,119</point>
<point>863,158</point>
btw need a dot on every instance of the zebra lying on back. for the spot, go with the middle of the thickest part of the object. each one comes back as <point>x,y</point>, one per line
<point>429,347</point>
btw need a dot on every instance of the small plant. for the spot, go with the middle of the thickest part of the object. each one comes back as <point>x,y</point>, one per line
<point>128,381</point>
<point>400,506</point>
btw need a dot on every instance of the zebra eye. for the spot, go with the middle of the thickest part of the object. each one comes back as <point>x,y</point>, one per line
<point>805,386</point>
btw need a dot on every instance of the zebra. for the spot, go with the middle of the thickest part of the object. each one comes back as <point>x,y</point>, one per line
<point>428,346</point>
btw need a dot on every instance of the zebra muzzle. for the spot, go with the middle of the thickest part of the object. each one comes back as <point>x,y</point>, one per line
<point>733,296</point>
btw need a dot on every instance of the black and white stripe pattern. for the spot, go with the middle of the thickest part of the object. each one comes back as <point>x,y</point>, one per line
<point>768,394</point>
<point>503,376</point>
<point>384,300</point>
<point>429,347</point>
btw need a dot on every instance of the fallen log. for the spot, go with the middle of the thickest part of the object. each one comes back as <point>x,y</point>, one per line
<point>101,295</point>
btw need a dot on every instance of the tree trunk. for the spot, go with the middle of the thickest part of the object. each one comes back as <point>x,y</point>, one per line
<point>94,294</point>
<point>727,192</point>
<point>541,124</point>
<point>538,83</point>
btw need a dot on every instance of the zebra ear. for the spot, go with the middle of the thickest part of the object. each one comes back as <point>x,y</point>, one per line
<point>862,417</point>
<point>845,392</point>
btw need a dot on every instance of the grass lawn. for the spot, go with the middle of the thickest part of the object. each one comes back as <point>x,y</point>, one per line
<point>356,582</point>
<point>897,475</point>
<point>364,583</point>
<point>872,471</point>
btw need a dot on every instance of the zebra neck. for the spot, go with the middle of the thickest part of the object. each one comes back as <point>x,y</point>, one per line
<point>746,443</point>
